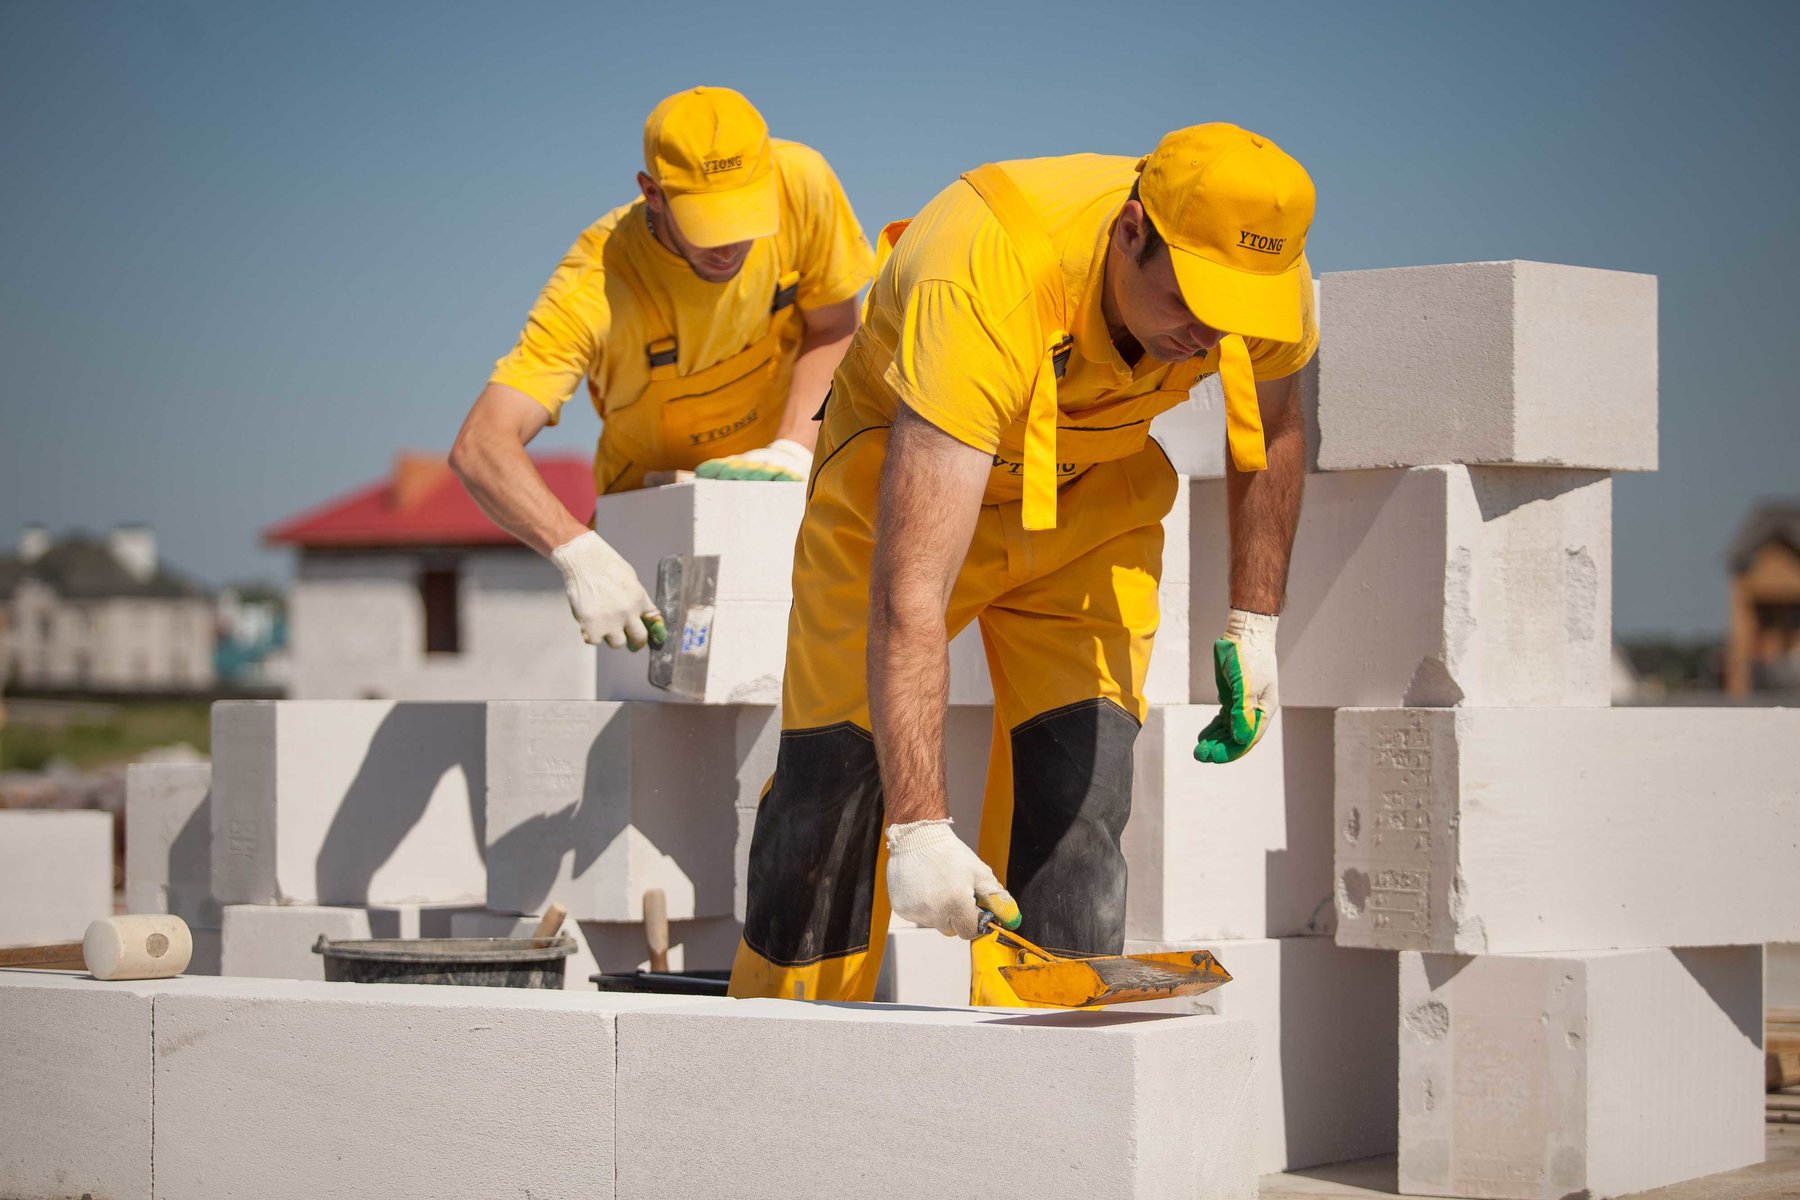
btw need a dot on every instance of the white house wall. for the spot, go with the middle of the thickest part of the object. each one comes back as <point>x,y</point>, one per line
<point>123,644</point>
<point>358,631</point>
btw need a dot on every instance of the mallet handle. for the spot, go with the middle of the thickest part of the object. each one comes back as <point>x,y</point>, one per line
<point>61,955</point>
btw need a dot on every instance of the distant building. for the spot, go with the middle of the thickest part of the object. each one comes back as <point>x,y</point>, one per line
<point>1762,646</point>
<point>103,616</point>
<point>406,590</point>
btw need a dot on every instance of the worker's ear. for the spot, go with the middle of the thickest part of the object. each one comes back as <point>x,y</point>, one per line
<point>652,194</point>
<point>1132,225</point>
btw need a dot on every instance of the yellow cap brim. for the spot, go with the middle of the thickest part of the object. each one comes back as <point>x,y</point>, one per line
<point>742,214</point>
<point>1258,306</point>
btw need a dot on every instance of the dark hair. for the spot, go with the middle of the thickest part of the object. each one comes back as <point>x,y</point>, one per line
<point>1153,238</point>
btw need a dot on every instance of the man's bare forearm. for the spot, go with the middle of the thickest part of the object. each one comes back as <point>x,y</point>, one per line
<point>821,350</point>
<point>909,690</point>
<point>930,498</point>
<point>1265,505</point>
<point>490,458</point>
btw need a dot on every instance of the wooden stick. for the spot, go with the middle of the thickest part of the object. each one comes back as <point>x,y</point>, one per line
<point>656,928</point>
<point>62,955</point>
<point>552,922</point>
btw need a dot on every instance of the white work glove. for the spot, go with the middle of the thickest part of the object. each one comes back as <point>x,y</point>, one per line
<point>609,603</point>
<point>1244,666</point>
<point>935,880</point>
<point>781,459</point>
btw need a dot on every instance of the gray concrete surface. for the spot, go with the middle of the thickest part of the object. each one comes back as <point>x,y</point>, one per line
<point>1777,1178</point>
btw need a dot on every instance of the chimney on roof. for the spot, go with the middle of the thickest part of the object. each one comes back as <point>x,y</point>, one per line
<point>134,546</point>
<point>34,540</point>
<point>416,476</point>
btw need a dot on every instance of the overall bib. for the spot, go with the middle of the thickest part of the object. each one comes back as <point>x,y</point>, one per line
<point>679,421</point>
<point>1062,577</point>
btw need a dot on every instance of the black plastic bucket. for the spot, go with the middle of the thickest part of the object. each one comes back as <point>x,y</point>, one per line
<point>481,962</point>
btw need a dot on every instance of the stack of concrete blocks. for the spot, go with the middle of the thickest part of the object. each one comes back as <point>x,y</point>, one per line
<point>56,874</point>
<point>281,1088</point>
<point>1530,852</point>
<point>340,818</point>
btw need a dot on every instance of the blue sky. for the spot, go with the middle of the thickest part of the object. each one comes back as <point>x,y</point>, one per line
<point>247,252</point>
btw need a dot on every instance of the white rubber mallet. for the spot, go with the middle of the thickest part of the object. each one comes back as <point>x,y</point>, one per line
<point>152,946</point>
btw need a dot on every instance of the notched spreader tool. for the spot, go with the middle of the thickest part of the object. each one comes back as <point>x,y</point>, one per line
<point>687,588</point>
<point>1040,977</point>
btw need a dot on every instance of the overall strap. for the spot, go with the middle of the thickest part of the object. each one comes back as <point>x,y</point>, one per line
<point>1044,268</point>
<point>786,289</point>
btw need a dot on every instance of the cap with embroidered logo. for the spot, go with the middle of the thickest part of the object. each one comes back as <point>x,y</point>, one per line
<point>707,148</point>
<point>1234,209</point>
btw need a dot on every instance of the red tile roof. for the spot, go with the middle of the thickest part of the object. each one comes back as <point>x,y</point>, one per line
<point>424,504</point>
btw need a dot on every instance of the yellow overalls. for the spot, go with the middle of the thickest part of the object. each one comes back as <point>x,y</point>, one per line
<point>1064,585</point>
<point>679,421</point>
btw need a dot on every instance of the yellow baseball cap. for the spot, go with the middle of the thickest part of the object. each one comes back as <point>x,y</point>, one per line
<point>708,149</point>
<point>1234,209</point>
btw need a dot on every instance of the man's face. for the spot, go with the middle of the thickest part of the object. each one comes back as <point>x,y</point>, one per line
<point>715,264</point>
<point>1149,300</point>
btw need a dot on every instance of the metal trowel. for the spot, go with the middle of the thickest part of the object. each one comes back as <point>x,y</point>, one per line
<point>687,585</point>
<point>1040,977</point>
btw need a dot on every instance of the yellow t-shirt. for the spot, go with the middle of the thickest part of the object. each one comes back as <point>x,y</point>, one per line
<point>585,324</point>
<point>951,324</point>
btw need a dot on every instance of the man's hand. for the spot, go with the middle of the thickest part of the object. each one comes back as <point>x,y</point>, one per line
<point>935,880</point>
<point>783,459</point>
<point>609,603</point>
<point>1244,667</point>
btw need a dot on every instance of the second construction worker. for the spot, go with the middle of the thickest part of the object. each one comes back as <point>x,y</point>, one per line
<point>985,457</point>
<point>707,317</point>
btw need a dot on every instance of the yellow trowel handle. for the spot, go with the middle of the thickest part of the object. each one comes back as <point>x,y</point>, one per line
<point>1001,933</point>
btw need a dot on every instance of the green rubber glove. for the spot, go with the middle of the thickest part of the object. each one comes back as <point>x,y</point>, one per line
<point>1244,669</point>
<point>780,460</point>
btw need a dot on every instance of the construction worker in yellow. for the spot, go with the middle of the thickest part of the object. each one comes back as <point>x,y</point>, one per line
<point>707,316</point>
<point>985,456</point>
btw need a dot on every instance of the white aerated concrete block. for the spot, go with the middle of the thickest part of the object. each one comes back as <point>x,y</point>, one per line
<point>55,874</point>
<point>922,966</point>
<point>1300,871</point>
<point>270,941</point>
<point>284,1089</point>
<point>591,803</point>
<point>74,1086</point>
<point>1490,362</point>
<point>1434,587</point>
<point>1327,1056</point>
<point>1781,974</point>
<point>348,802</point>
<point>1493,830</point>
<point>1201,834</point>
<point>1591,1074</point>
<point>276,942</point>
<point>751,529</point>
<point>869,1101</point>
<point>168,842</point>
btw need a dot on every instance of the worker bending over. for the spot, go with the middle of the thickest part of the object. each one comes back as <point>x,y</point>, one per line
<point>985,457</point>
<point>707,316</point>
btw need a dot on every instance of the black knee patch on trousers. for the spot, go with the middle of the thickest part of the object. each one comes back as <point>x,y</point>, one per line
<point>1071,797</point>
<point>812,857</point>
